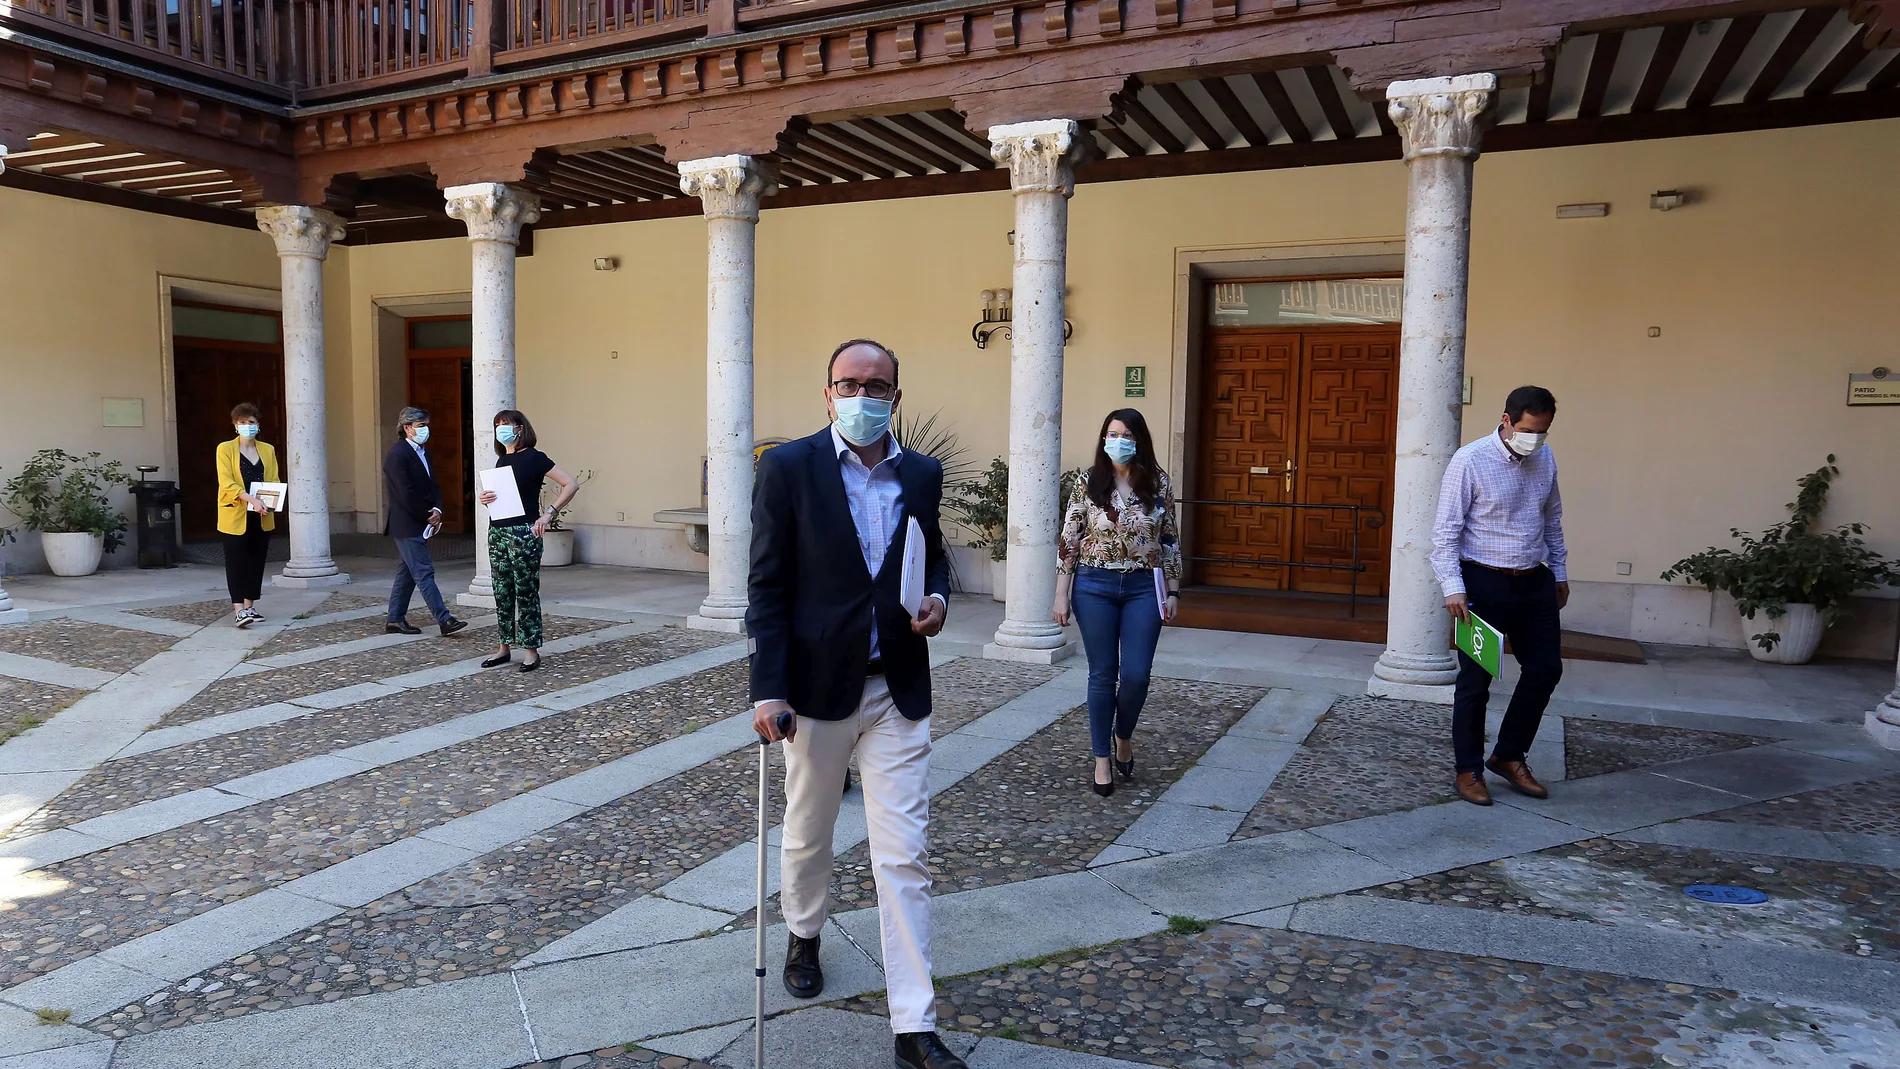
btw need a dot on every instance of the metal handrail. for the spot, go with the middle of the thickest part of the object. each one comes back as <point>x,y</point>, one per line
<point>1374,518</point>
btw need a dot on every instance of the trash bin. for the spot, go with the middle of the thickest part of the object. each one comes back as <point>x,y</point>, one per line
<point>157,520</point>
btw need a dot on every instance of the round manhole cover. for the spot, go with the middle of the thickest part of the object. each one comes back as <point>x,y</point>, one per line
<point>1723,894</point>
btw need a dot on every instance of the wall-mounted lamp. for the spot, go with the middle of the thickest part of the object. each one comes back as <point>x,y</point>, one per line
<point>1582,211</point>
<point>1665,199</point>
<point>606,263</point>
<point>996,316</point>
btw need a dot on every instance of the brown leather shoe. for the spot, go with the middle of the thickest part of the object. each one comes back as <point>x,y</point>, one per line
<point>1472,789</point>
<point>1518,775</point>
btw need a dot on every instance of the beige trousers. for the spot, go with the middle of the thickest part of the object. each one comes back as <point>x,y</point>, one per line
<point>893,768</point>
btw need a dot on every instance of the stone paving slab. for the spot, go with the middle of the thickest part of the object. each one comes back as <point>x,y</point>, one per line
<point>1598,747</point>
<point>1247,876</point>
<point>1167,826</point>
<point>1620,801</point>
<point>135,622</point>
<point>1447,836</point>
<point>644,922</point>
<point>1881,851</point>
<point>21,1033</point>
<point>702,1043</point>
<point>1763,772</point>
<point>824,1038</point>
<point>41,670</point>
<point>202,613</point>
<point>1871,807</point>
<point>83,1056</point>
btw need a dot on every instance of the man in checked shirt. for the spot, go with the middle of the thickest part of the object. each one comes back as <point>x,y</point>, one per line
<point>1498,551</point>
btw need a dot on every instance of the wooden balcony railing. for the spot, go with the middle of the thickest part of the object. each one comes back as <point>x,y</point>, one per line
<point>235,38</point>
<point>534,23</point>
<point>354,41</point>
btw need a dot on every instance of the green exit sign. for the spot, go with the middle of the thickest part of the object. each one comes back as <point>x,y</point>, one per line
<point>1135,381</point>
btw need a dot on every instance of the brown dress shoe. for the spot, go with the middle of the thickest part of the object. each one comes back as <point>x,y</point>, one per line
<point>1472,789</point>
<point>1518,775</point>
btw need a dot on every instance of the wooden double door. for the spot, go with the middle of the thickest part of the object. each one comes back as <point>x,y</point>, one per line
<point>211,377</point>
<point>1292,417</point>
<point>440,383</point>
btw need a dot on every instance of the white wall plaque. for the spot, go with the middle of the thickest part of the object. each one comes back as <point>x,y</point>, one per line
<point>1879,388</point>
<point>124,412</point>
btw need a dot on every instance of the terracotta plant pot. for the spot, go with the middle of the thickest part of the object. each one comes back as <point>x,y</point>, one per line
<point>557,549</point>
<point>72,553</point>
<point>1800,631</point>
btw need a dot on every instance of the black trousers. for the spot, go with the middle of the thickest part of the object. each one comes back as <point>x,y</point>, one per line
<point>1524,608</point>
<point>244,557</point>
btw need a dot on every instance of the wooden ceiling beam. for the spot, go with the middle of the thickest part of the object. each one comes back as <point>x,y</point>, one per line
<point>98,193</point>
<point>791,145</point>
<point>842,134</point>
<point>855,165</point>
<point>565,176</point>
<point>196,175</point>
<point>929,154</point>
<point>1741,31</point>
<point>1281,103</point>
<point>149,169</point>
<point>1597,81</point>
<point>609,168</point>
<point>1153,127</point>
<point>1190,115</point>
<point>793,169</point>
<point>572,190</point>
<point>1223,97</point>
<point>1850,55</point>
<point>653,167</point>
<point>1801,37</point>
<point>1537,108</point>
<point>956,146</point>
<point>1321,79</point>
<point>954,123</point>
<point>1887,77</point>
<point>400,192</point>
<point>1119,138</point>
<point>81,168</point>
<point>1662,65</point>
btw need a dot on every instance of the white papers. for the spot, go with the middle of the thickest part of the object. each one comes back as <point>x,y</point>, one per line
<point>271,494</point>
<point>1161,592</point>
<point>507,493</point>
<point>910,589</point>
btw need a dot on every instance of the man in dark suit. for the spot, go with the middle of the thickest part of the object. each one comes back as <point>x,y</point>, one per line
<point>834,643</point>
<point>415,514</point>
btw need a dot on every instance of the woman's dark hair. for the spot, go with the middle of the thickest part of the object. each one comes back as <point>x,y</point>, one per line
<point>524,440</point>
<point>243,411</point>
<point>1144,476</point>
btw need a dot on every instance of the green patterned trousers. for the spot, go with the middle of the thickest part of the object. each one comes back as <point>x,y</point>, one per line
<point>514,564</point>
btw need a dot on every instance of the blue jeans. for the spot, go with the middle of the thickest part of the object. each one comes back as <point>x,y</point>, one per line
<point>416,570</point>
<point>1120,625</point>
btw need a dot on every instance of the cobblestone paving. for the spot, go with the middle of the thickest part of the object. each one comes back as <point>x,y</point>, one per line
<point>79,907</point>
<point>161,773</point>
<point>483,916</point>
<point>201,613</point>
<point>1871,808</point>
<point>1234,996</point>
<point>969,687</point>
<point>622,1057</point>
<point>24,704</point>
<point>1365,757</point>
<point>1596,747</point>
<point>87,645</point>
<point>297,639</point>
<point>1850,909</point>
<point>282,684</point>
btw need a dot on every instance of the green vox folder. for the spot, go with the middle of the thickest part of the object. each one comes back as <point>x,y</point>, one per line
<point>1480,641</point>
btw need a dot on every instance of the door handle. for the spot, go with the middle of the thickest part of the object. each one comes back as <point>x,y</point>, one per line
<point>1288,475</point>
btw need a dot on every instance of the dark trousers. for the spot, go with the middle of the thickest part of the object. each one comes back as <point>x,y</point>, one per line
<point>244,557</point>
<point>1524,608</point>
<point>417,571</point>
<point>1120,625</point>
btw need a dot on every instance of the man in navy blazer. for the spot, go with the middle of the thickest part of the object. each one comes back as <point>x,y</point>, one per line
<point>833,643</point>
<point>415,514</point>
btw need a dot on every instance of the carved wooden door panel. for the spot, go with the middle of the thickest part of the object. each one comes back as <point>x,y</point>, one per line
<point>436,387</point>
<point>211,377</point>
<point>1247,437</point>
<point>1348,414</point>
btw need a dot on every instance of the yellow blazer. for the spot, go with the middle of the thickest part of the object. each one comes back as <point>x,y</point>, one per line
<point>231,484</point>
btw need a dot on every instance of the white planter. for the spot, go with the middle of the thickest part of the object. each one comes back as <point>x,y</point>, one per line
<point>1800,632</point>
<point>999,580</point>
<point>557,549</point>
<point>72,553</point>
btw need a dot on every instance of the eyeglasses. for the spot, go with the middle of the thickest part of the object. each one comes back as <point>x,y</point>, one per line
<point>876,389</point>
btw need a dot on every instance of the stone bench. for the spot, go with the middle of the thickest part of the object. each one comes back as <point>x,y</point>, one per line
<point>695,521</point>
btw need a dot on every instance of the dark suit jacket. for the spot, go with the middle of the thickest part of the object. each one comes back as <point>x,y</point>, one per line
<point>412,491</point>
<point>812,604</point>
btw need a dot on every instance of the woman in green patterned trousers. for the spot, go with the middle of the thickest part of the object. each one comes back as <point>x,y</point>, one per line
<point>514,542</point>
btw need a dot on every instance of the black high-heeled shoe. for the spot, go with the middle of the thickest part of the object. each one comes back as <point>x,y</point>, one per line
<point>1125,768</point>
<point>496,661</point>
<point>1103,789</point>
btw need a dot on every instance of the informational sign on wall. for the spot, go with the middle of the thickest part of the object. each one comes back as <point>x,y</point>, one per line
<point>1880,388</point>
<point>1135,381</point>
<point>124,412</point>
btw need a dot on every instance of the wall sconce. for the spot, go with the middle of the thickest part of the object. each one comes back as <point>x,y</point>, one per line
<point>1664,199</point>
<point>606,263</point>
<point>996,316</point>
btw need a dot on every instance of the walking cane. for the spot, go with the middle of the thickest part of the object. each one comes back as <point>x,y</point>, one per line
<point>782,722</point>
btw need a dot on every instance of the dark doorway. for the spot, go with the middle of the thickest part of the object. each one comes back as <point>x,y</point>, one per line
<point>221,357</point>
<point>441,382</point>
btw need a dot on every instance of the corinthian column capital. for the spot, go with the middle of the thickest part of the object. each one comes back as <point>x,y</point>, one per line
<point>729,187</point>
<point>1041,155</point>
<point>1442,116</point>
<point>492,211</point>
<point>299,230</point>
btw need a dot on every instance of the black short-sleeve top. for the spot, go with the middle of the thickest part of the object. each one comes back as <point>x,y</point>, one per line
<point>530,467</point>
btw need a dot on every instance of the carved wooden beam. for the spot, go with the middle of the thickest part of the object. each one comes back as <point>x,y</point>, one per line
<point>1799,39</point>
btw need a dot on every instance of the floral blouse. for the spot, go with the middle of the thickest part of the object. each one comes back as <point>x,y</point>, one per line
<point>1127,535</point>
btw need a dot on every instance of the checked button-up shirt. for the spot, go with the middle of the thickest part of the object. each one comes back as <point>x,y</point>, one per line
<point>1500,509</point>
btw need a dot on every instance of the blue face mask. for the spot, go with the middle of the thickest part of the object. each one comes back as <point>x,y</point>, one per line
<point>247,431</point>
<point>505,434</point>
<point>862,420</point>
<point>1120,450</point>
<point>422,436</point>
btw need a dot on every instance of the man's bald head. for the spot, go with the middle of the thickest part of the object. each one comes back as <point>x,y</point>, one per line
<point>858,351</point>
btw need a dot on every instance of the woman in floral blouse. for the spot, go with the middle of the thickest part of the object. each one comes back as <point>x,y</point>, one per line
<point>1118,531</point>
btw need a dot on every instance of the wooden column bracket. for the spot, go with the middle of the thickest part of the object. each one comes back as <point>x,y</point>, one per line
<point>653,81</point>
<point>335,134</point>
<point>538,99</point>
<point>448,114</point>
<point>1003,25</point>
<point>479,108</point>
<point>1108,16</point>
<point>389,124</point>
<point>1055,21</point>
<point>689,75</point>
<point>94,90</point>
<point>772,58</point>
<point>859,47</point>
<point>420,122</point>
<point>570,94</point>
<point>362,128</point>
<point>956,35</point>
<point>729,70</point>
<point>1167,13</point>
<point>907,42</point>
<point>813,53</point>
<point>1226,9</point>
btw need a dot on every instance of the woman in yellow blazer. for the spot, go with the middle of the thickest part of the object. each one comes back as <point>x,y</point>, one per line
<point>244,521</point>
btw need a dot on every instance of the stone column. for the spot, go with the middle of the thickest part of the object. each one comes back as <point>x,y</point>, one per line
<point>494,214</point>
<point>1440,120</point>
<point>303,236</point>
<point>1883,723</point>
<point>1041,158</point>
<point>729,189</point>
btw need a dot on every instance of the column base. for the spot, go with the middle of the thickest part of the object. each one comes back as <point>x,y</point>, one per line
<point>18,616</point>
<point>996,651</point>
<point>310,582</point>
<point>1430,693</point>
<point>724,624</point>
<point>1885,734</point>
<point>472,600</point>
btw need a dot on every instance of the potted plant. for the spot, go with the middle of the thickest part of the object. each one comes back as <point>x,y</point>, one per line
<point>982,505</point>
<point>1791,583</point>
<point>64,497</point>
<point>557,546</point>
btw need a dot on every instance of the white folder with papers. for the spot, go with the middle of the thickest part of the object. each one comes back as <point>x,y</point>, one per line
<point>911,585</point>
<point>507,493</point>
<point>1161,592</point>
